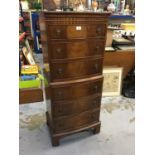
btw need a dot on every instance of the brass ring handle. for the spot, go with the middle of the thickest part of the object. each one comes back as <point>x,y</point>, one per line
<point>58,31</point>
<point>94,102</point>
<point>97,47</point>
<point>93,116</point>
<point>96,66</point>
<point>59,93</point>
<point>60,70</point>
<point>59,50</point>
<point>60,125</point>
<point>60,110</point>
<point>98,30</point>
<point>95,88</point>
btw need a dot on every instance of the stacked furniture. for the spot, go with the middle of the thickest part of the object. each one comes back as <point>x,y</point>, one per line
<point>73,46</point>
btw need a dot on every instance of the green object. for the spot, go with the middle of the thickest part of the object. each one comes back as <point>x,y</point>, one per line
<point>46,82</point>
<point>33,83</point>
<point>30,84</point>
<point>36,5</point>
<point>41,77</point>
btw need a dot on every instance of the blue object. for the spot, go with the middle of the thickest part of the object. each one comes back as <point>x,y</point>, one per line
<point>122,17</point>
<point>28,77</point>
<point>36,31</point>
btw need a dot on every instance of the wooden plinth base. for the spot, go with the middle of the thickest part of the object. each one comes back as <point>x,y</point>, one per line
<point>56,137</point>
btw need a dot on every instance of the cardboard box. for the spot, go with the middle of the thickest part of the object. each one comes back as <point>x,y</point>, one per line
<point>109,38</point>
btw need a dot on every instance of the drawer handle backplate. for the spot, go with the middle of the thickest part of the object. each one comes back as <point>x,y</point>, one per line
<point>96,66</point>
<point>59,50</point>
<point>58,31</point>
<point>95,88</point>
<point>93,116</point>
<point>60,125</point>
<point>60,70</point>
<point>59,94</point>
<point>99,30</point>
<point>60,110</point>
<point>98,48</point>
<point>94,102</point>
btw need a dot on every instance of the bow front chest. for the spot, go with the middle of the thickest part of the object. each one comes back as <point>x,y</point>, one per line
<point>73,46</point>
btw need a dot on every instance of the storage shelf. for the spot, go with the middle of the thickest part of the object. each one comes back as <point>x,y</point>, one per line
<point>118,19</point>
<point>122,16</point>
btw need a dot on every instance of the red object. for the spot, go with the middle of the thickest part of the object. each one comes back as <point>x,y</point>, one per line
<point>21,37</point>
<point>21,19</point>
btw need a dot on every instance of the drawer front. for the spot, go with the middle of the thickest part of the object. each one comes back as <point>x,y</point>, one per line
<point>67,32</point>
<point>76,49</point>
<point>56,32</point>
<point>97,30</point>
<point>76,121</point>
<point>76,106</point>
<point>76,31</point>
<point>76,69</point>
<point>76,90</point>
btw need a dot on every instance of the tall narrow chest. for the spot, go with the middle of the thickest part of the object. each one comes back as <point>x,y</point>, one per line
<point>73,46</point>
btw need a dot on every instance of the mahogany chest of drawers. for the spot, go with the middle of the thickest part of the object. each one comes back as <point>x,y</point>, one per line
<point>73,49</point>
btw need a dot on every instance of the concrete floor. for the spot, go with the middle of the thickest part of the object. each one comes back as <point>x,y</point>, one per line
<point>116,136</point>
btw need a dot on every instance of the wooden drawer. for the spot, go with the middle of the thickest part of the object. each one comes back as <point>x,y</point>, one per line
<point>76,69</point>
<point>76,121</point>
<point>75,106</point>
<point>97,31</point>
<point>76,31</point>
<point>56,32</point>
<point>76,90</point>
<point>76,49</point>
<point>67,32</point>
